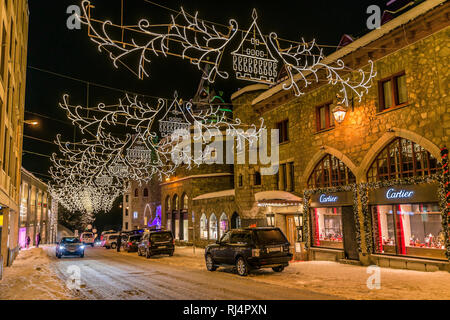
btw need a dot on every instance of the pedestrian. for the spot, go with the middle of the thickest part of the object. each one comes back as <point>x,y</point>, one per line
<point>28,242</point>
<point>119,241</point>
<point>38,240</point>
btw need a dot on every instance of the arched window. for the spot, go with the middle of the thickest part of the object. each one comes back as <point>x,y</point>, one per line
<point>175,204</point>
<point>136,193</point>
<point>203,227</point>
<point>257,181</point>
<point>330,172</point>
<point>185,203</point>
<point>167,206</point>
<point>213,227</point>
<point>235,221</point>
<point>145,193</point>
<point>400,159</point>
<point>223,225</point>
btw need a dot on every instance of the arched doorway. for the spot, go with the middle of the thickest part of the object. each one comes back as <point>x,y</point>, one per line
<point>175,217</point>
<point>333,220</point>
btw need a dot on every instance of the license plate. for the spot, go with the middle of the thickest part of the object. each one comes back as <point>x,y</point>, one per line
<point>276,249</point>
<point>162,247</point>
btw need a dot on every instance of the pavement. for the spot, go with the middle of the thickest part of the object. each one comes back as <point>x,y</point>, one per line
<point>109,275</point>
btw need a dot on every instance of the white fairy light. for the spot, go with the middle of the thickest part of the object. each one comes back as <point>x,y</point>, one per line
<point>254,60</point>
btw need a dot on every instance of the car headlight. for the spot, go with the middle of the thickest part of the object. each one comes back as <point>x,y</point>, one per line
<point>82,247</point>
<point>61,246</point>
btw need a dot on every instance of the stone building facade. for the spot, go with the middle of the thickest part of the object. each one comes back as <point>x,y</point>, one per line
<point>141,205</point>
<point>405,114</point>
<point>14,18</point>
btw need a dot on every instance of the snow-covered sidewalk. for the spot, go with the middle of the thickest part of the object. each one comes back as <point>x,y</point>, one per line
<point>346,281</point>
<point>32,278</point>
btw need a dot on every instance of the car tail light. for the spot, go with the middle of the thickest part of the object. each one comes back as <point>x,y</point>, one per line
<point>256,252</point>
<point>130,244</point>
<point>173,241</point>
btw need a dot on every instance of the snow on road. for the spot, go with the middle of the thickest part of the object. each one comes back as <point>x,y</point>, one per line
<point>31,278</point>
<point>106,274</point>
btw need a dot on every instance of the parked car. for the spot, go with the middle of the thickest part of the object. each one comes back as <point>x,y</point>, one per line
<point>110,240</point>
<point>105,233</point>
<point>156,242</point>
<point>250,248</point>
<point>132,243</point>
<point>70,246</point>
<point>87,238</point>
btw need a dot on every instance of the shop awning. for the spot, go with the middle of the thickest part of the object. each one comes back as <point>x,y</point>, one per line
<point>277,198</point>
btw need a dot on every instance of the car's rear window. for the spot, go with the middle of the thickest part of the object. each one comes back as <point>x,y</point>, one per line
<point>135,238</point>
<point>161,236</point>
<point>70,240</point>
<point>270,236</point>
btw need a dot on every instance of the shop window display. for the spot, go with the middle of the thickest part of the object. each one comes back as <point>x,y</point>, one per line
<point>414,230</point>
<point>327,227</point>
<point>223,224</point>
<point>204,227</point>
<point>213,227</point>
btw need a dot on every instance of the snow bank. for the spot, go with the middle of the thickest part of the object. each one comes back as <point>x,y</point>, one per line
<point>32,278</point>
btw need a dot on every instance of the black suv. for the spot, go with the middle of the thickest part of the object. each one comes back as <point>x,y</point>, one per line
<point>156,242</point>
<point>250,248</point>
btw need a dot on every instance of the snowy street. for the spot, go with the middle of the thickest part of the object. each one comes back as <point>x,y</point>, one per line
<point>106,274</point>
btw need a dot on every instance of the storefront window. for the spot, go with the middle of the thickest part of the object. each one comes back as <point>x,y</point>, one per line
<point>213,227</point>
<point>203,227</point>
<point>223,224</point>
<point>327,227</point>
<point>414,230</point>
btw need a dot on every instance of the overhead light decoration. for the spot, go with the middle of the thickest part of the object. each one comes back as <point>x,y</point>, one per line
<point>200,42</point>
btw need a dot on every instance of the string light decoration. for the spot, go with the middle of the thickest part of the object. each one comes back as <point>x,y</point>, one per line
<point>257,58</point>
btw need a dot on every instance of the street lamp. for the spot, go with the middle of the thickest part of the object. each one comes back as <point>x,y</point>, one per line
<point>31,122</point>
<point>339,112</point>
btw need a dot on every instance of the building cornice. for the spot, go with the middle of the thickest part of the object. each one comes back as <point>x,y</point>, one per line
<point>200,176</point>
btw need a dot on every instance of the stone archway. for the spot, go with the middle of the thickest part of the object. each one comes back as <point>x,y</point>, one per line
<point>385,140</point>
<point>318,156</point>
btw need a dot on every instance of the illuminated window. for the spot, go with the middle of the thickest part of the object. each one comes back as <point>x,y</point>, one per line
<point>213,227</point>
<point>400,159</point>
<point>330,172</point>
<point>324,117</point>
<point>393,91</point>
<point>223,225</point>
<point>135,215</point>
<point>203,227</point>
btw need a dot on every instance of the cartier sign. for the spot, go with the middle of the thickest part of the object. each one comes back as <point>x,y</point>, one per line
<point>335,199</point>
<point>422,193</point>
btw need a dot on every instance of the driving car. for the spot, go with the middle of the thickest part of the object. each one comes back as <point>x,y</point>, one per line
<point>131,245</point>
<point>248,249</point>
<point>70,246</point>
<point>87,238</point>
<point>156,242</point>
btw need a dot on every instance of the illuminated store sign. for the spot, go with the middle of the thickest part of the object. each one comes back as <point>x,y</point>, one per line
<point>401,194</point>
<point>327,198</point>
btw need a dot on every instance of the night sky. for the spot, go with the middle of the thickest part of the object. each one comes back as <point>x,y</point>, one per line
<point>53,47</point>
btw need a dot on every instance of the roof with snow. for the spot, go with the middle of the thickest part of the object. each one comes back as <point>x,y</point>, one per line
<point>218,194</point>
<point>277,197</point>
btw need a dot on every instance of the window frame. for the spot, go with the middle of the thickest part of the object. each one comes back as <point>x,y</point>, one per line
<point>328,115</point>
<point>394,92</point>
<point>283,127</point>
<point>348,178</point>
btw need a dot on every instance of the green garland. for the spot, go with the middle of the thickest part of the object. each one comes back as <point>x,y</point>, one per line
<point>306,208</point>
